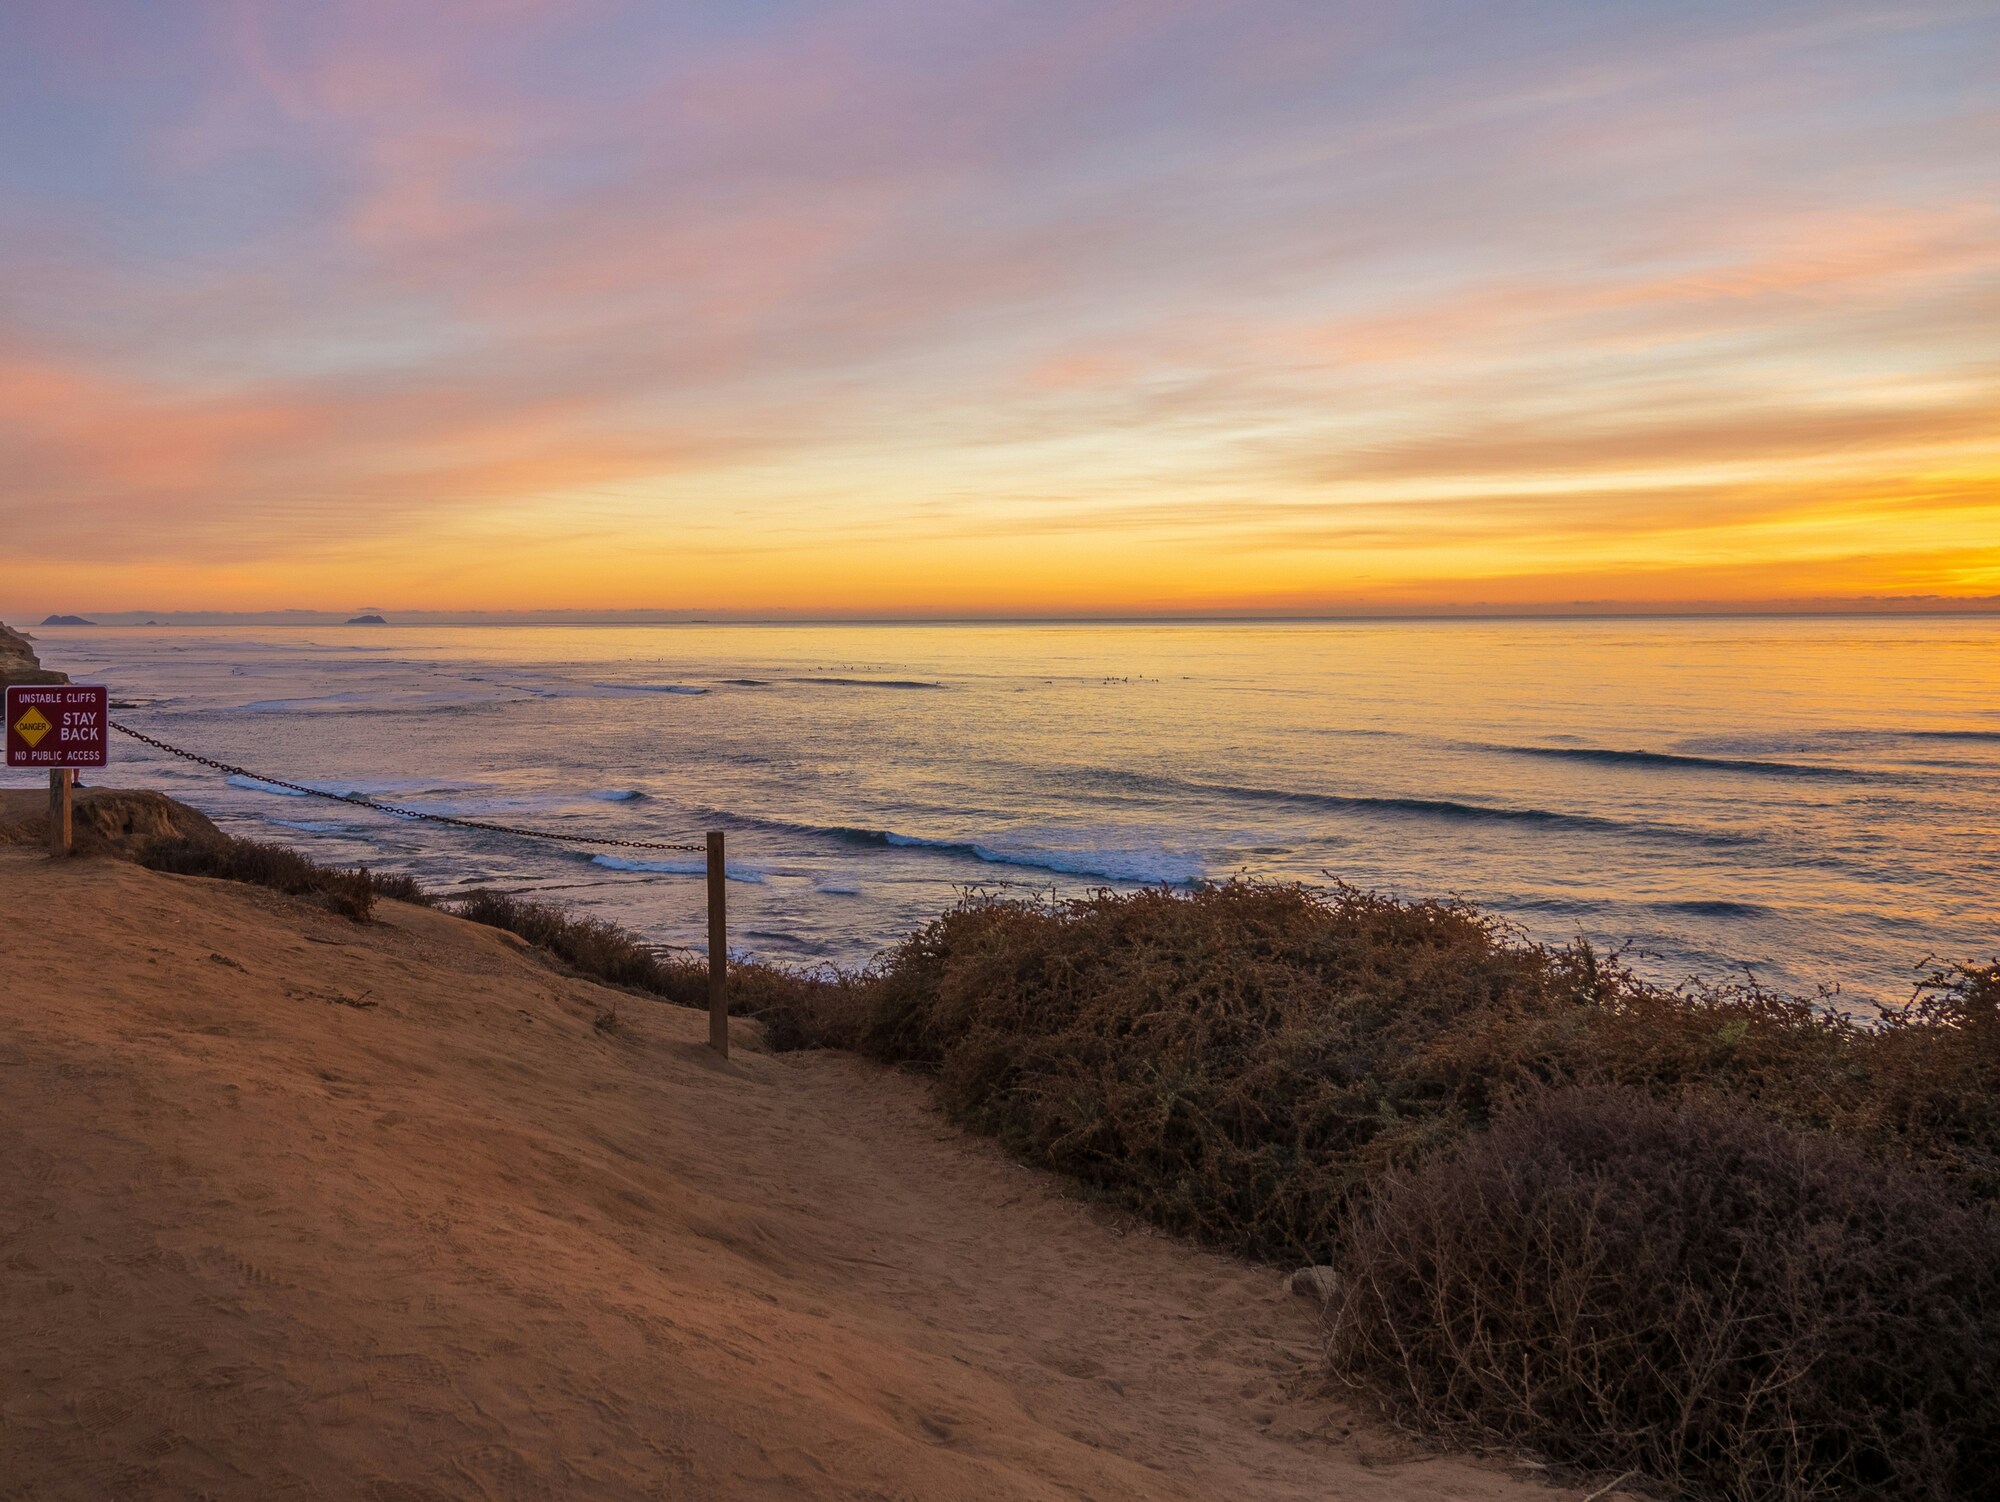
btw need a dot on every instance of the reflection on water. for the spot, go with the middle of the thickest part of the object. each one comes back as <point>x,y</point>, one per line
<point>1818,800</point>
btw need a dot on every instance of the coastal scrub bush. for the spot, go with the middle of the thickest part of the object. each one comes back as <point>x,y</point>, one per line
<point>398,886</point>
<point>351,894</point>
<point>1233,1063</point>
<point>1918,1081</point>
<point>1730,1239</point>
<point>1732,1307</point>
<point>589,946</point>
<point>1932,1070</point>
<point>1239,1061</point>
<point>603,951</point>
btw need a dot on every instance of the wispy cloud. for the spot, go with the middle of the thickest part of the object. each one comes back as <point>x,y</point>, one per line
<point>996,305</point>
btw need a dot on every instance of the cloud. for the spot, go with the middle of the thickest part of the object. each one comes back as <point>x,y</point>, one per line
<point>1267,297</point>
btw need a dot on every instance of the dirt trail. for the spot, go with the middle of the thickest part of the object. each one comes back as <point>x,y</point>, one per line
<point>291,1207</point>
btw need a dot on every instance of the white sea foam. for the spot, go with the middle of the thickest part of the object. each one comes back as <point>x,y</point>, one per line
<point>390,701</point>
<point>559,689</point>
<point>389,788</point>
<point>734,871</point>
<point>254,785</point>
<point>620,690</point>
<point>1147,864</point>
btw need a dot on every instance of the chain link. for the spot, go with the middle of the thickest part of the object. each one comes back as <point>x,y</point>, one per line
<point>395,810</point>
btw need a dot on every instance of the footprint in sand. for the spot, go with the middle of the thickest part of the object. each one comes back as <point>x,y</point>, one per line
<point>500,1472</point>
<point>250,1274</point>
<point>406,1375</point>
<point>103,1408</point>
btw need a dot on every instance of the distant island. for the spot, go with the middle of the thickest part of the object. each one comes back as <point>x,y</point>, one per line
<point>66,620</point>
<point>367,620</point>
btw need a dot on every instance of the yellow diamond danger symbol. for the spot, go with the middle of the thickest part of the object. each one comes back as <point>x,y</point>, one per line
<point>32,726</point>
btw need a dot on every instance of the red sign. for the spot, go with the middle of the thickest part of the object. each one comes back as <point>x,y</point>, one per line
<point>57,725</point>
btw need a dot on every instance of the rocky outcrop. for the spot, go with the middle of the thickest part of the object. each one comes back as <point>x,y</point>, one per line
<point>1320,1283</point>
<point>19,664</point>
<point>107,821</point>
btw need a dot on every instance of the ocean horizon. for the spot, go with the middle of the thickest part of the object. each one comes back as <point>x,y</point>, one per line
<point>1811,801</point>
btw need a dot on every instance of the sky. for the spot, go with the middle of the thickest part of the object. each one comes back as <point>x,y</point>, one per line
<point>997,306</point>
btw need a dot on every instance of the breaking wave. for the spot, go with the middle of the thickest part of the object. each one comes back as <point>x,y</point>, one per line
<point>694,867</point>
<point>1614,757</point>
<point>1449,810</point>
<point>871,682</point>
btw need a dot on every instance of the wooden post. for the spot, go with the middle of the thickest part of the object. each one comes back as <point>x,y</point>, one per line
<point>60,827</point>
<point>718,948</point>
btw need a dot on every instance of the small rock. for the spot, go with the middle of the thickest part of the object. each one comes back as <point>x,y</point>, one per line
<point>1319,1283</point>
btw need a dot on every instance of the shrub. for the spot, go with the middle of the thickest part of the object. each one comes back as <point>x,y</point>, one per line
<point>1920,1082</point>
<point>605,952</point>
<point>1932,1076</point>
<point>399,887</point>
<point>1733,1307</point>
<point>590,946</point>
<point>1240,1061</point>
<point>351,894</point>
<point>1232,1063</point>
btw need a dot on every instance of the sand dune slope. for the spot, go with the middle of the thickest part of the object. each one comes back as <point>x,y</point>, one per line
<point>291,1207</point>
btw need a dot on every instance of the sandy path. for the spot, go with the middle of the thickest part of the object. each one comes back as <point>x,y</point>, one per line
<point>295,1208</point>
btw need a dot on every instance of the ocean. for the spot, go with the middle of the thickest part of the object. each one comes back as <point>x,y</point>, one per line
<point>1812,801</point>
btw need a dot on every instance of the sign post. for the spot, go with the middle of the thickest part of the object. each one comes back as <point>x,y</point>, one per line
<point>62,826</point>
<point>58,727</point>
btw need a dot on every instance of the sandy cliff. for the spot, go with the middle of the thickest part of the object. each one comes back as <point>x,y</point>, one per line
<point>294,1207</point>
<point>18,662</point>
<point>104,820</point>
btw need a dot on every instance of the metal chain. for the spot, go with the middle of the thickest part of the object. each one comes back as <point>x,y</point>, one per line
<point>393,809</point>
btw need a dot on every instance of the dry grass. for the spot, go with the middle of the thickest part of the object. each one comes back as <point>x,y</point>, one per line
<point>588,946</point>
<point>605,952</point>
<point>352,894</point>
<point>1731,1307</point>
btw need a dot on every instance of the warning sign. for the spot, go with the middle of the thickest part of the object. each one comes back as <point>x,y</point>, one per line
<point>32,726</point>
<point>64,725</point>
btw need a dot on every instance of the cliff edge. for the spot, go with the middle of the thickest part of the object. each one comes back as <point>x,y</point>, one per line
<point>108,821</point>
<point>19,664</point>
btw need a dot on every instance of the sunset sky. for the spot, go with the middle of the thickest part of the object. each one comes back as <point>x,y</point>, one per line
<point>936,306</point>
